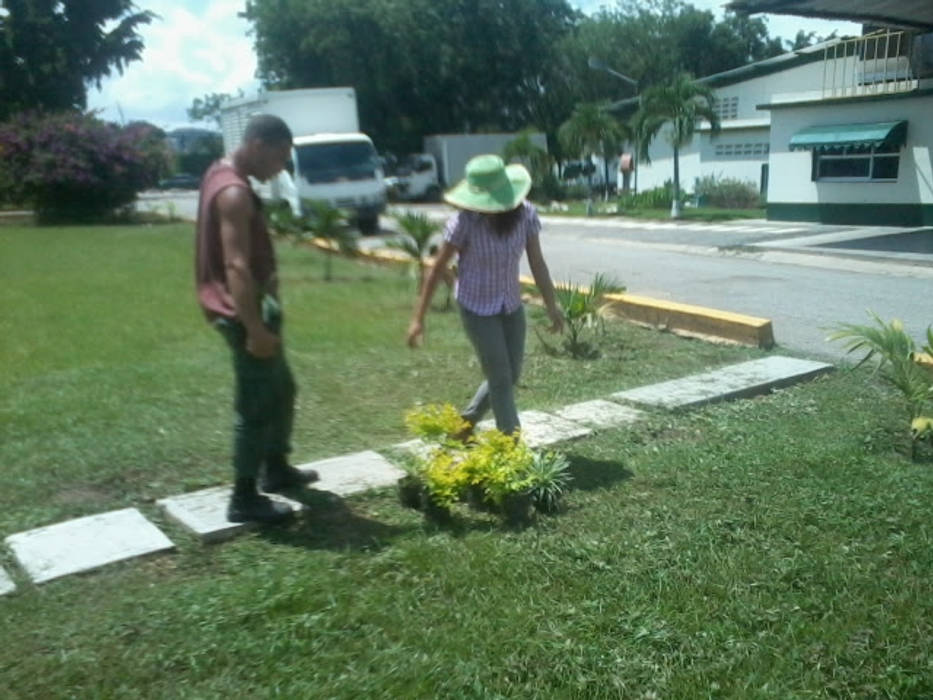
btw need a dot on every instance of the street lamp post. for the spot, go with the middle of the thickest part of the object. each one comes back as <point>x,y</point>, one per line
<point>597,64</point>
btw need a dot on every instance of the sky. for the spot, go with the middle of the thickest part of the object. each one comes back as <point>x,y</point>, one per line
<point>201,46</point>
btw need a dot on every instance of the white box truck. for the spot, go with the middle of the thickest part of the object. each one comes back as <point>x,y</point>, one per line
<point>422,176</point>
<point>452,151</point>
<point>331,160</point>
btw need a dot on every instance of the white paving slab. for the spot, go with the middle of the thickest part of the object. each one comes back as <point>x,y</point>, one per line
<point>354,472</point>
<point>740,380</point>
<point>6,583</point>
<point>417,447</point>
<point>204,512</point>
<point>540,429</point>
<point>599,414</point>
<point>86,543</point>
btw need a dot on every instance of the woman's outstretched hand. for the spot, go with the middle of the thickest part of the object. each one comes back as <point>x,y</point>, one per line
<point>415,334</point>
<point>557,321</point>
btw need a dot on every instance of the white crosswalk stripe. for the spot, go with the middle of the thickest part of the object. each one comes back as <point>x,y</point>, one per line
<point>588,222</point>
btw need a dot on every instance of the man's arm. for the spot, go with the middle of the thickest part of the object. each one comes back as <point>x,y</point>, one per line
<point>236,209</point>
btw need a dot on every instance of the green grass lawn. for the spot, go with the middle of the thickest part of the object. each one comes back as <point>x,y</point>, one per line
<point>769,548</point>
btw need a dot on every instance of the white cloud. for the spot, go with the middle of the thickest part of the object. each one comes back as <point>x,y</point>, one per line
<point>193,48</point>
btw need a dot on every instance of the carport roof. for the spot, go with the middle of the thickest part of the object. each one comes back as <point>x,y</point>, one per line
<point>907,14</point>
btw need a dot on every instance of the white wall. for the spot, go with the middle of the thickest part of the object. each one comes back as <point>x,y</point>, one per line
<point>700,159</point>
<point>791,170</point>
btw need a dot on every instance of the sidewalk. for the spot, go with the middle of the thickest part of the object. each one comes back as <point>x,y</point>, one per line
<point>91,542</point>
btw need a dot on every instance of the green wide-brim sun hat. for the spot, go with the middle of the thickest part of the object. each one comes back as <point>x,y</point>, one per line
<point>490,186</point>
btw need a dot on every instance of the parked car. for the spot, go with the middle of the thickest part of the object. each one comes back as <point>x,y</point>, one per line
<point>180,181</point>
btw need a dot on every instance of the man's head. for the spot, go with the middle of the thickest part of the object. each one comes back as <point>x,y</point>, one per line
<point>267,144</point>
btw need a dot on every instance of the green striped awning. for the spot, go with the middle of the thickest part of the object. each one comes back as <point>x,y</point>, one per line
<point>856,136</point>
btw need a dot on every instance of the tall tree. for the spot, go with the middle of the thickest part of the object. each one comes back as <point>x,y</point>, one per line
<point>592,130</point>
<point>420,66</point>
<point>679,106</point>
<point>51,51</point>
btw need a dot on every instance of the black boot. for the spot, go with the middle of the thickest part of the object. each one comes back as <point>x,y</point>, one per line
<point>247,505</point>
<point>279,475</point>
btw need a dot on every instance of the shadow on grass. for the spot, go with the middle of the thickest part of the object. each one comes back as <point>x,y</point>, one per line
<point>329,523</point>
<point>589,474</point>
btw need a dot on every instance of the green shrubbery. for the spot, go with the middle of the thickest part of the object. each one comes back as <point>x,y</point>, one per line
<point>726,193</point>
<point>70,166</point>
<point>490,470</point>
<point>655,198</point>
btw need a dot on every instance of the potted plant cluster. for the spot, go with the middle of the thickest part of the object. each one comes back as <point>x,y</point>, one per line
<point>489,471</point>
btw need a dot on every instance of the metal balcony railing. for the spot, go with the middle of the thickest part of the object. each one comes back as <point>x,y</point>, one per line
<point>874,64</point>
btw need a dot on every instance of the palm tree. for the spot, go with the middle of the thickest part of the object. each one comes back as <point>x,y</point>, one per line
<point>324,221</point>
<point>417,232</point>
<point>530,154</point>
<point>681,103</point>
<point>591,129</point>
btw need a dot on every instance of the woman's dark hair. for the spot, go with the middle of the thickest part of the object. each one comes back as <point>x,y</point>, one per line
<point>504,222</point>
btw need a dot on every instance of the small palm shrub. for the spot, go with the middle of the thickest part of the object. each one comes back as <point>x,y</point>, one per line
<point>582,309</point>
<point>899,363</point>
<point>318,220</point>
<point>549,477</point>
<point>415,239</point>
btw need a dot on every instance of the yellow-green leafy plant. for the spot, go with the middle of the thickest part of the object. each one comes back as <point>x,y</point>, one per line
<point>444,477</point>
<point>437,423</point>
<point>898,362</point>
<point>499,464</point>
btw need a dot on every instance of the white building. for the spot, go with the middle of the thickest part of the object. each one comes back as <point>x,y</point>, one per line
<point>840,132</point>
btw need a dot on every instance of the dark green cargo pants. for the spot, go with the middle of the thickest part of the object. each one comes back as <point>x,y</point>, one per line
<point>264,398</point>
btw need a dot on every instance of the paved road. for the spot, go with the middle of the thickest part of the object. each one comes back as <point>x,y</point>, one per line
<point>762,268</point>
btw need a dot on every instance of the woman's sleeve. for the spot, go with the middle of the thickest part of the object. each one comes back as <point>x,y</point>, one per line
<point>532,221</point>
<point>455,232</point>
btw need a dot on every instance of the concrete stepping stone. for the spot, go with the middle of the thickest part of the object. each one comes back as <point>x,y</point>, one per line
<point>204,512</point>
<point>353,473</point>
<point>6,583</point>
<point>599,414</point>
<point>540,429</point>
<point>735,381</point>
<point>86,543</point>
<point>416,447</point>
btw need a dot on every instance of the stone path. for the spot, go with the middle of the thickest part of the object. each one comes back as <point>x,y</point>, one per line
<point>87,543</point>
<point>90,542</point>
<point>743,380</point>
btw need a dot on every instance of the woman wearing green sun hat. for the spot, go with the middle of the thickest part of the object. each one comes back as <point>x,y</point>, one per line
<point>493,227</point>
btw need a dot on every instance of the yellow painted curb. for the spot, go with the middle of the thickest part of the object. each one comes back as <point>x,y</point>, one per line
<point>670,315</point>
<point>689,319</point>
<point>739,328</point>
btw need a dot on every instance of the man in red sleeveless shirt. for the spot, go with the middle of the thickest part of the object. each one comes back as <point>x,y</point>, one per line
<point>235,272</point>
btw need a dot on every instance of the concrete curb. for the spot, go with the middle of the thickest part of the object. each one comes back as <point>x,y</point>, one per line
<point>669,315</point>
<point>695,320</point>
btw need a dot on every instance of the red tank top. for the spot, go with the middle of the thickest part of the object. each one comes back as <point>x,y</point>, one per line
<point>209,269</point>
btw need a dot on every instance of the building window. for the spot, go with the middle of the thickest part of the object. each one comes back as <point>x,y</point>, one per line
<point>879,164</point>
<point>749,151</point>
<point>726,107</point>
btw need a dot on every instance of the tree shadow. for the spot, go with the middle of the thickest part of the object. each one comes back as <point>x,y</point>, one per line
<point>327,522</point>
<point>589,474</point>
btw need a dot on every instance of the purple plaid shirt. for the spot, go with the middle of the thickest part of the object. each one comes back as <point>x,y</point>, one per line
<point>487,271</point>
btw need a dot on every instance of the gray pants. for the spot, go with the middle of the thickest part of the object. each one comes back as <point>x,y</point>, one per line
<point>499,342</point>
